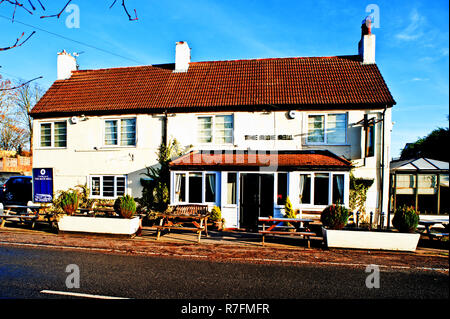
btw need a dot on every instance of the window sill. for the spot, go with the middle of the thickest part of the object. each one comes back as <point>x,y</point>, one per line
<point>50,148</point>
<point>325,144</point>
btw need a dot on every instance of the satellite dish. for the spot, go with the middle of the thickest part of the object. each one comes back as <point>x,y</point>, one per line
<point>74,120</point>
<point>292,114</point>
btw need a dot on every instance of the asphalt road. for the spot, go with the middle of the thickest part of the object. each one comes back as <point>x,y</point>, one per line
<point>26,272</point>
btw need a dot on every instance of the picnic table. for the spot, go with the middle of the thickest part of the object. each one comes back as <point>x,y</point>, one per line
<point>301,227</point>
<point>428,224</point>
<point>180,215</point>
<point>103,209</point>
<point>20,213</point>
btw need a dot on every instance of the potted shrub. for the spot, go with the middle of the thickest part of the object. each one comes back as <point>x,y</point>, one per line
<point>127,226</point>
<point>216,218</point>
<point>125,206</point>
<point>406,219</point>
<point>68,201</point>
<point>334,216</point>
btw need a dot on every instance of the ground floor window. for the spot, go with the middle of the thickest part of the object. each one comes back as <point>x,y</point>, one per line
<point>322,188</point>
<point>107,186</point>
<point>194,187</point>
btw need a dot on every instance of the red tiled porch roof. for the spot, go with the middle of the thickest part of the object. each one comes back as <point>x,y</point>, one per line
<point>285,83</point>
<point>286,160</point>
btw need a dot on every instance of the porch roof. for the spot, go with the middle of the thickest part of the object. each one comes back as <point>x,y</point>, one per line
<point>419,164</point>
<point>254,160</point>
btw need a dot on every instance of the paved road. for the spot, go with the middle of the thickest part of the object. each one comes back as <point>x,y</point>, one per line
<point>25,272</point>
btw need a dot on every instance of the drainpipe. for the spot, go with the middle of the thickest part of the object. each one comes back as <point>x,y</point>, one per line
<point>383,163</point>
<point>164,128</point>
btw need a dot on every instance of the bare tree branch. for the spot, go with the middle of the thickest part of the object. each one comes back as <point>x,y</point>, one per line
<point>126,11</point>
<point>58,14</point>
<point>23,84</point>
<point>17,44</point>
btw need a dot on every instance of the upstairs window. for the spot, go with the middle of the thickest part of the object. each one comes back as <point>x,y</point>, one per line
<point>327,128</point>
<point>53,134</point>
<point>120,132</point>
<point>216,129</point>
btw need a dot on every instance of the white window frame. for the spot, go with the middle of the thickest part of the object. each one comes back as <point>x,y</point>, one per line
<point>119,127</point>
<point>203,173</point>
<point>52,134</point>
<point>213,129</point>
<point>101,186</point>
<point>325,115</point>
<point>330,188</point>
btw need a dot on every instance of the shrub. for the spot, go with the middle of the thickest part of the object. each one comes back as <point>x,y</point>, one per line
<point>216,214</point>
<point>125,206</point>
<point>289,212</point>
<point>405,219</point>
<point>334,216</point>
<point>68,201</point>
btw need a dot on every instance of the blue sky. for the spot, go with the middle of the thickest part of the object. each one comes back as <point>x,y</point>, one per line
<point>412,42</point>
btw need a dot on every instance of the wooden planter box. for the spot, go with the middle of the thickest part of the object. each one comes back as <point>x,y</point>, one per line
<point>376,240</point>
<point>99,225</point>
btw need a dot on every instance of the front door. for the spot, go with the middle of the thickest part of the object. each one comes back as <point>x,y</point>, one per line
<point>256,199</point>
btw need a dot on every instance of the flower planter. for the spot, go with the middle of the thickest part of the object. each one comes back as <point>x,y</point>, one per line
<point>99,225</point>
<point>376,240</point>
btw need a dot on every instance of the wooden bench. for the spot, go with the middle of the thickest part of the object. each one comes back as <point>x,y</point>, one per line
<point>180,215</point>
<point>275,225</point>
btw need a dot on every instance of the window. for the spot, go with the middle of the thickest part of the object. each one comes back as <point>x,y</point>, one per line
<point>210,188</point>
<point>180,187</point>
<point>321,189</point>
<point>120,132</point>
<point>282,188</point>
<point>204,129</point>
<point>338,188</point>
<point>53,134</point>
<point>327,129</point>
<point>108,186</point>
<point>305,189</point>
<point>216,129</point>
<point>195,187</point>
<point>224,129</point>
<point>231,188</point>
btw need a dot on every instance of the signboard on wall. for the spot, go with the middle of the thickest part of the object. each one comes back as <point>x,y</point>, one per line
<point>42,185</point>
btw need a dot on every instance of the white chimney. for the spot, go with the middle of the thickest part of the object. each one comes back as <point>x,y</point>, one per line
<point>366,45</point>
<point>182,56</point>
<point>66,63</point>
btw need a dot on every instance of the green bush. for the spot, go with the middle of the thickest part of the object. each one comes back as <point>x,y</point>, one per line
<point>216,214</point>
<point>125,206</point>
<point>405,219</point>
<point>68,201</point>
<point>334,216</point>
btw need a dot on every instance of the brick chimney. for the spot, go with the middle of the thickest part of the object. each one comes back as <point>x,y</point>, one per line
<point>182,56</point>
<point>66,63</point>
<point>366,45</point>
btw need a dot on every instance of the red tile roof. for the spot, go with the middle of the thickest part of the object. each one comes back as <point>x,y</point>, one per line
<point>260,159</point>
<point>288,83</point>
